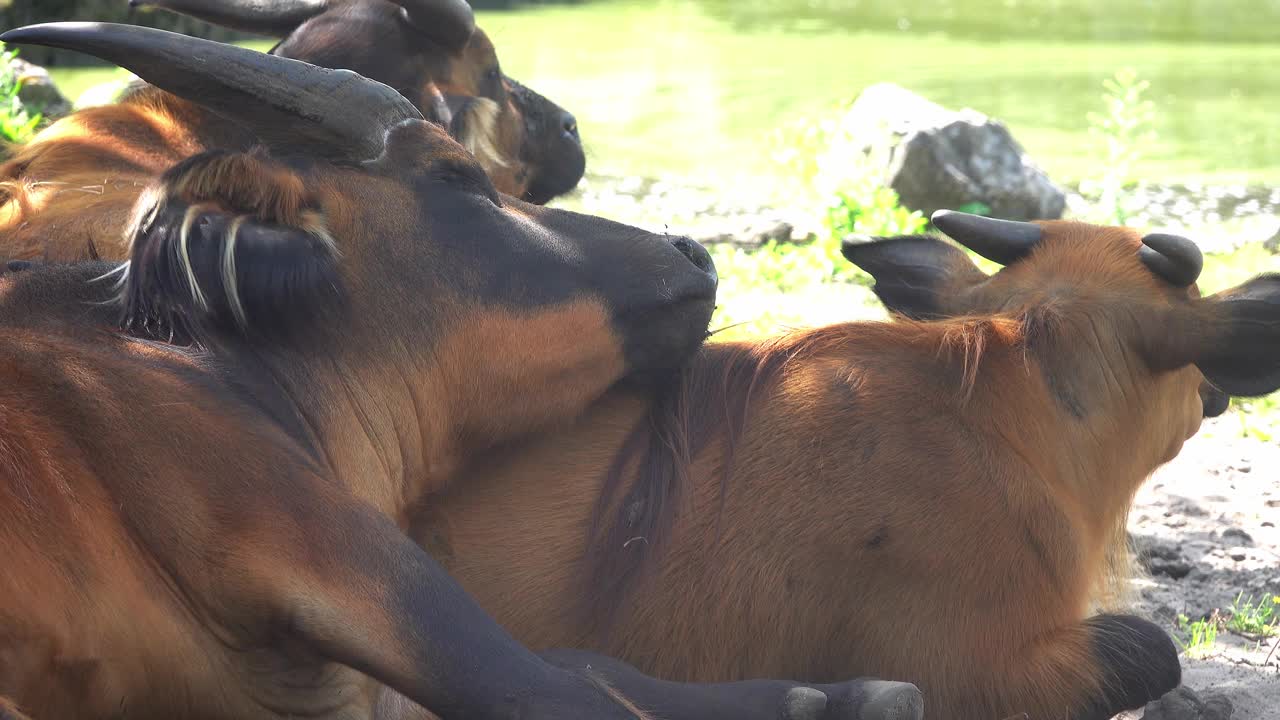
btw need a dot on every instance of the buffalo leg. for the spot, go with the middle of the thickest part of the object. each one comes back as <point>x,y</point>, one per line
<point>1137,661</point>
<point>1092,670</point>
<point>358,592</point>
<point>861,699</point>
<point>389,610</point>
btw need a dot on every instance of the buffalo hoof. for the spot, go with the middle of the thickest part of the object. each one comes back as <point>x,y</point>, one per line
<point>861,700</point>
<point>803,703</point>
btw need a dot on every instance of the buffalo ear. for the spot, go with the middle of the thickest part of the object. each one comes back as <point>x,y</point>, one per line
<point>919,276</point>
<point>1240,342</point>
<point>197,270</point>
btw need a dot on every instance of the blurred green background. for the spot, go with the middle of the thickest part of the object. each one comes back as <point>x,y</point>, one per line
<point>692,88</point>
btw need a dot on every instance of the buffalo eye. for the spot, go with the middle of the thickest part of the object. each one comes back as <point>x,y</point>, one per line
<point>493,83</point>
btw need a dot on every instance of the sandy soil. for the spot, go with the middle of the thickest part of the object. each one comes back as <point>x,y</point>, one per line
<point>1206,529</point>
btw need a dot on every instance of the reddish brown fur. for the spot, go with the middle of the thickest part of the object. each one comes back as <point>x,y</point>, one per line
<point>214,531</point>
<point>907,500</point>
<point>73,186</point>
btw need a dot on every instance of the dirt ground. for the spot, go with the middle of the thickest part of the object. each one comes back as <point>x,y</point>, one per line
<point>1206,530</point>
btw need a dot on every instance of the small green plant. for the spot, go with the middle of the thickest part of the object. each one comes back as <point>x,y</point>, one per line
<point>1259,417</point>
<point>827,172</point>
<point>17,123</point>
<point>1124,131</point>
<point>1199,637</point>
<point>830,173</point>
<point>1257,620</point>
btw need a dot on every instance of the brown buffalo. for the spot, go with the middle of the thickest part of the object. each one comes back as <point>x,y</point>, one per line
<point>935,501</point>
<point>426,50</point>
<point>66,195</point>
<point>204,510</point>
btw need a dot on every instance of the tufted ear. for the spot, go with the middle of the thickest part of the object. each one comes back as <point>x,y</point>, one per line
<point>919,276</point>
<point>221,251</point>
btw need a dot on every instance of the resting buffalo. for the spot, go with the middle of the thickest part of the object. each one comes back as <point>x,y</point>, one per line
<point>208,454</point>
<point>937,499</point>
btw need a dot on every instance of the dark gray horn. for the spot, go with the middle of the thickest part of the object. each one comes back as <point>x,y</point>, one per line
<point>275,18</point>
<point>1172,257</point>
<point>1002,241</point>
<point>286,103</point>
<point>448,22</point>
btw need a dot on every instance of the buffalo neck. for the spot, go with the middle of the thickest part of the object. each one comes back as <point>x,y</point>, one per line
<point>1078,409</point>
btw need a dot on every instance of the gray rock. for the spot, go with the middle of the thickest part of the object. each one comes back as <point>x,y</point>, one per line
<point>748,231</point>
<point>38,91</point>
<point>1238,537</point>
<point>1273,243</point>
<point>1173,569</point>
<point>940,158</point>
<point>1184,704</point>
<point>1162,558</point>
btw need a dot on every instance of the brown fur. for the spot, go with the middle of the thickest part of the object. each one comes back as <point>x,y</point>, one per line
<point>910,500</point>
<point>215,530</point>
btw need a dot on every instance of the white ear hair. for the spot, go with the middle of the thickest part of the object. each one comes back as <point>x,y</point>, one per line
<point>481,132</point>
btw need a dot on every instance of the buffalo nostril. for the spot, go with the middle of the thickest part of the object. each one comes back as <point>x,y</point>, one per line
<point>697,254</point>
<point>569,124</point>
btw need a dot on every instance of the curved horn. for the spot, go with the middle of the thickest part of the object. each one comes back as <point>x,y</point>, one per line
<point>1172,257</point>
<point>286,103</point>
<point>1002,241</point>
<point>448,22</point>
<point>276,18</point>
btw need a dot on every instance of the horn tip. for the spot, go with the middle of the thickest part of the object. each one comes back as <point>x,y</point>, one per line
<point>856,239</point>
<point>41,33</point>
<point>939,215</point>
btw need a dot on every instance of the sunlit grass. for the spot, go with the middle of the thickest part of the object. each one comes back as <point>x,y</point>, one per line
<point>1198,638</point>
<point>1260,619</point>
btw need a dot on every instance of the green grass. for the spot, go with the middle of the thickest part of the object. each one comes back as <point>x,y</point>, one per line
<point>1199,638</point>
<point>17,121</point>
<point>1255,620</point>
